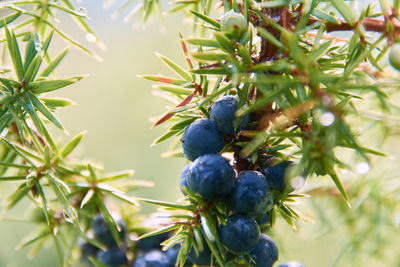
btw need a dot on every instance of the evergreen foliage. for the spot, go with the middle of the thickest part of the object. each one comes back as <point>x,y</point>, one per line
<point>303,98</point>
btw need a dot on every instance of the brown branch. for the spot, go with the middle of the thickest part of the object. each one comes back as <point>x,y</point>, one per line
<point>369,24</point>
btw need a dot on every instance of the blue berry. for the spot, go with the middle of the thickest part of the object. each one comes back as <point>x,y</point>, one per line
<point>113,257</point>
<point>264,222</point>
<point>222,112</point>
<point>201,137</point>
<point>292,264</point>
<point>252,194</point>
<point>211,176</point>
<point>103,233</point>
<point>204,257</point>
<point>240,234</point>
<point>277,175</point>
<point>265,254</point>
<point>153,258</point>
<point>152,242</point>
<point>183,181</point>
<point>88,250</point>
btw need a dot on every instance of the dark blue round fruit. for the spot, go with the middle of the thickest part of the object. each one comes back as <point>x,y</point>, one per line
<point>292,264</point>
<point>265,254</point>
<point>103,233</point>
<point>88,250</point>
<point>201,137</point>
<point>152,242</point>
<point>252,194</point>
<point>211,176</point>
<point>277,175</point>
<point>240,234</point>
<point>264,222</point>
<point>203,258</point>
<point>153,258</point>
<point>113,257</point>
<point>183,181</point>
<point>222,112</point>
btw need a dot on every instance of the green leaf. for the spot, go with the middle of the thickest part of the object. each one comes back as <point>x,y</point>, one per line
<point>31,111</point>
<point>12,178</point>
<point>59,248</point>
<point>111,223</point>
<point>288,217</point>
<point>160,231</point>
<point>275,3</point>
<point>8,19</point>
<point>44,110</point>
<point>325,16</point>
<point>62,197</point>
<point>340,187</point>
<point>15,165</point>
<point>117,175</point>
<point>319,52</point>
<point>244,54</point>
<point>165,136</point>
<point>44,86</point>
<point>213,71</point>
<point>202,42</point>
<point>32,238</point>
<point>23,153</point>
<point>15,54</point>
<point>209,56</point>
<point>225,43</point>
<point>275,66</point>
<point>345,10</point>
<point>173,66</point>
<point>122,196</point>
<point>49,139</point>
<point>14,198</point>
<point>53,103</point>
<point>177,206</point>
<point>54,63</point>
<point>207,19</point>
<point>270,38</point>
<point>89,195</point>
<point>33,69</point>
<point>68,148</point>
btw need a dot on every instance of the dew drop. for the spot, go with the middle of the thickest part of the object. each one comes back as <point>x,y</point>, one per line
<point>327,118</point>
<point>91,38</point>
<point>38,47</point>
<point>133,236</point>
<point>362,168</point>
<point>67,218</point>
<point>83,11</point>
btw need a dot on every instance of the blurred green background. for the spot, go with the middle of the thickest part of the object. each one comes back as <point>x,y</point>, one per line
<point>115,106</point>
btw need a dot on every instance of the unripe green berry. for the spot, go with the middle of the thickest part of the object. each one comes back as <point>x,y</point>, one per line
<point>231,20</point>
<point>394,56</point>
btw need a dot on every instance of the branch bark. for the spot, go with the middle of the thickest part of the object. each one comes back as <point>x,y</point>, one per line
<point>369,24</point>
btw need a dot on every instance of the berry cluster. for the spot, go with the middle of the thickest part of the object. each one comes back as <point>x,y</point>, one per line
<point>147,251</point>
<point>113,255</point>
<point>249,193</point>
